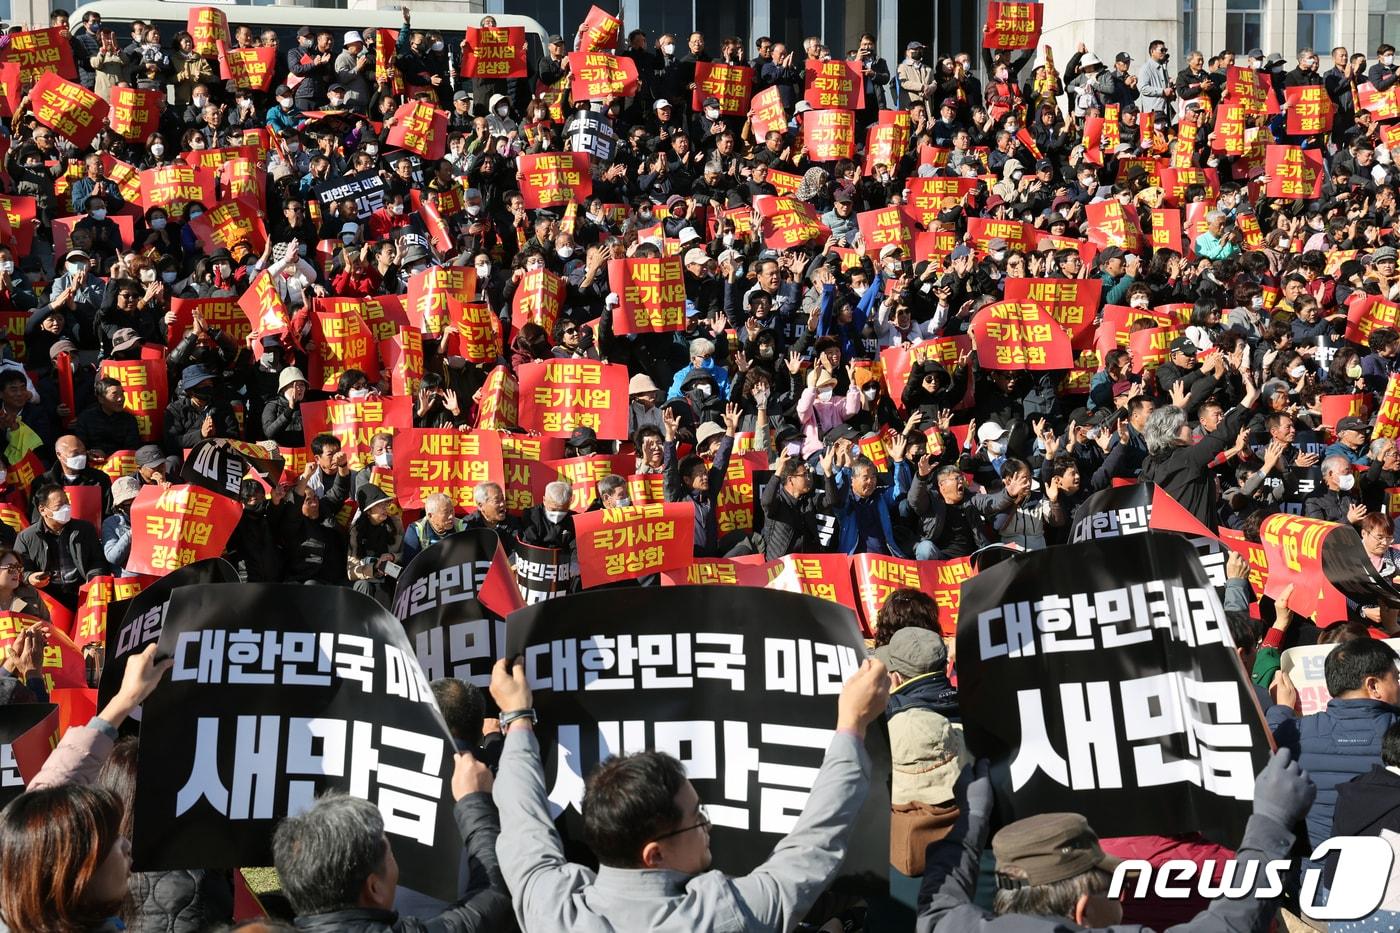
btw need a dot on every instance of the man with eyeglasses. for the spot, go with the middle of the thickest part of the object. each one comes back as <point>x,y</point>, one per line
<point>790,510</point>
<point>60,552</point>
<point>647,825</point>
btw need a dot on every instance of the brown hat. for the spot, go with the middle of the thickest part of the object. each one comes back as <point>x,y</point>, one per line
<point>1046,848</point>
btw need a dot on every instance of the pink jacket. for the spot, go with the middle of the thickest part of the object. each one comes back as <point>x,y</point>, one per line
<point>76,760</point>
<point>818,417</point>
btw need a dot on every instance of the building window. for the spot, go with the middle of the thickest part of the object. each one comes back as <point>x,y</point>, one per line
<point>1188,26</point>
<point>1384,24</point>
<point>1315,25</point>
<point>1244,25</point>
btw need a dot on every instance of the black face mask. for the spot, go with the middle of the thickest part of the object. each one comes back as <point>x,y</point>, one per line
<point>201,395</point>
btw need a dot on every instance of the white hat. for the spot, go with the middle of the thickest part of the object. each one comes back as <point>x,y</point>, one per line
<point>1090,59</point>
<point>802,107</point>
<point>706,431</point>
<point>641,383</point>
<point>695,257</point>
<point>890,249</point>
<point>990,431</point>
<point>687,234</point>
<point>663,102</point>
<point>352,37</point>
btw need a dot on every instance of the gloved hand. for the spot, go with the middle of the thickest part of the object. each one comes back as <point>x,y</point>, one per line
<point>1283,791</point>
<point>976,789</point>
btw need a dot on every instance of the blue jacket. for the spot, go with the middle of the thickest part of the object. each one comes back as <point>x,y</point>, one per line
<point>848,528</point>
<point>1334,746</point>
<point>930,691</point>
<point>1354,457</point>
<point>720,373</point>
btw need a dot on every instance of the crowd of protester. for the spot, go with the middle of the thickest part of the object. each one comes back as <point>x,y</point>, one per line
<point>780,346</point>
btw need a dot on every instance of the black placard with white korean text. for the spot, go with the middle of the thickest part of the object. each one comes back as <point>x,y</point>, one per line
<point>278,694</point>
<point>453,599</point>
<point>215,466</point>
<point>592,133</point>
<point>1100,678</point>
<point>27,733</point>
<point>739,683</point>
<point>366,189</point>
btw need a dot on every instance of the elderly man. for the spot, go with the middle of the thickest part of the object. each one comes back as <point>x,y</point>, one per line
<point>438,522</point>
<point>491,513</point>
<point>551,523</point>
<point>702,356</point>
<point>1340,501</point>
<point>954,523</point>
<point>70,468</point>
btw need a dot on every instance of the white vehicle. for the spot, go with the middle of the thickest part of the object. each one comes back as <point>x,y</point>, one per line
<point>171,16</point>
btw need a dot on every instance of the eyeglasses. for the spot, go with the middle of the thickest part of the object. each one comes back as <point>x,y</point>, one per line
<point>704,821</point>
<point>570,332</point>
<point>127,296</point>
<point>14,567</point>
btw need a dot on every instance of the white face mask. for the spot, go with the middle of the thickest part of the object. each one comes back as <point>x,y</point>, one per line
<point>1139,302</point>
<point>99,213</point>
<point>555,516</point>
<point>704,389</point>
<point>711,113</point>
<point>359,393</point>
<point>564,252</point>
<point>728,240</point>
<point>76,463</point>
<point>534,265</point>
<point>1344,483</point>
<point>1257,302</point>
<point>473,210</point>
<point>824,395</point>
<point>396,209</point>
<point>668,49</point>
<point>1298,372</point>
<point>158,149</point>
<point>293,147</point>
<point>503,110</point>
<point>199,101</point>
<point>384,459</point>
<point>994,448</point>
<point>1387,60</point>
<point>63,515</point>
<point>871,394</point>
<point>372,150</point>
<point>148,275</point>
<point>483,269</point>
<point>437,46</point>
<point>859,290</point>
<point>169,277</point>
<point>76,267</point>
<point>195,215</point>
<point>286,102</point>
<point>158,223</point>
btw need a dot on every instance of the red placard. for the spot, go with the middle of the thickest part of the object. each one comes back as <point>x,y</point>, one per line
<point>1175,181</point>
<point>555,178</point>
<point>1151,347</point>
<point>651,295</point>
<point>62,664</point>
<point>495,53</point>
<point>787,222</point>
<point>623,544</point>
<point>601,76</point>
<point>41,51</point>
<point>1293,549</point>
<point>1112,224</point>
<point>1020,335</point>
<point>146,391</point>
<point>1012,25</point>
<point>885,226</point>
<point>420,128</point>
<point>599,30</point>
<point>557,396</point>
<point>829,134</point>
<point>1246,87</point>
<point>69,109</point>
<point>731,85</point>
<point>1294,172</point>
<point>766,113</point>
<point>231,222</point>
<point>252,69</point>
<point>135,114</point>
<point>355,421</point>
<point>94,597</point>
<point>174,186</point>
<point>385,314</point>
<point>385,55</point>
<point>1073,303</point>
<point>538,297</point>
<point>208,26</point>
<point>582,475</point>
<point>402,356</point>
<point>885,144</point>
<point>876,576</point>
<point>1334,408</point>
<point>835,84</point>
<point>1388,418</point>
<point>448,461</point>
<point>344,342</point>
<point>498,402</point>
<point>174,526</point>
<point>264,308</point>
<point>1309,110</point>
<point>242,178</point>
<point>476,331</point>
<point>432,293</point>
<point>1018,236</point>
<point>1383,105</point>
<point>1166,229</point>
<point>929,196</point>
<point>86,502</point>
<point>896,362</point>
<point>826,576</point>
<point>1368,313</point>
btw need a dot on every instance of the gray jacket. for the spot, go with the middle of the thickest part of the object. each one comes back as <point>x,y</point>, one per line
<point>1152,81</point>
<point>945,897</point>
<point>551,894</point>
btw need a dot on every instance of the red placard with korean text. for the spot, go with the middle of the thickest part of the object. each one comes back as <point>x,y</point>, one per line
<point>1112,224</point>
<point>174,526</point>
<point>826,576</point>
<point>242,178</point>
<point>601,76</point>
<point>134,112</point>
<point>1018,236</point>
<point>385,314</point>
<point>445,460</point>
<point>1012,25</point>
<point>344,341</point>
<point>1294,172</point>
<point>929,196</point>
<point>599,30</point>
<point>788,222</point>
<point>1175,181</point>
<point>555,178</point>
<point>355,421</point>
<point>62,664</point>
<point>420,128</point>
<point>146,391</point>
<point>1166,229</point>
<point>39,52</point>
<point>651,295</point>
<point>885,144</point>
<point>766,113</point>
<point>835,84</point>
<point>1383,105</point>
<point>876,576</point>
<point>1309,110</point>
<point>557,396</point>
<point>432,293</point>
<point>402,357</point>
<point>498,402</point>
<point>252,69</point>
<point>69,109</point>
<point>623,544</point>
<point>538,298</point>
<point>1368,313</point>
<point>1388,418</point>
<point>1333,408</point>
<point>1020,335</point>
<point>1247,87</point>
<point>94,596</point>
<point>1073,303</point>
<point>495,53</point>
<point>208,26</point>
<point>476,330</point>
<point>731,85</point>
<point>264,308</point>
<point>231,222</point>
<point>1293,547</point>
<point>829,134</point>
<point>174,186</point>
<point>222,313</point>
<point>885,226</point>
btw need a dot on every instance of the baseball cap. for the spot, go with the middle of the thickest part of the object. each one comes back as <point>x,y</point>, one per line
<point>695,257</point>
<point>556,40</point>
<point>1184,345</point>
<point>462,95</point>
<point>125,339</point>
<point>844,196</point>
<point>914,44</point>
<point>711,102</point>
<point>1353,424</point>
<point>1255,53</point>
<point>996,243</point>
<point>802,107</point>
<point>1122,57</point>
<point>989,431</point>
<point>961,251</point>
<point>948,102</point>
<point>149,455</point>
<point>582,437</point>
<point>913,652</point>
<point>1043,165</point>
<point>1047,848</point>
<point>304,31</point>
<point>660,104</point>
